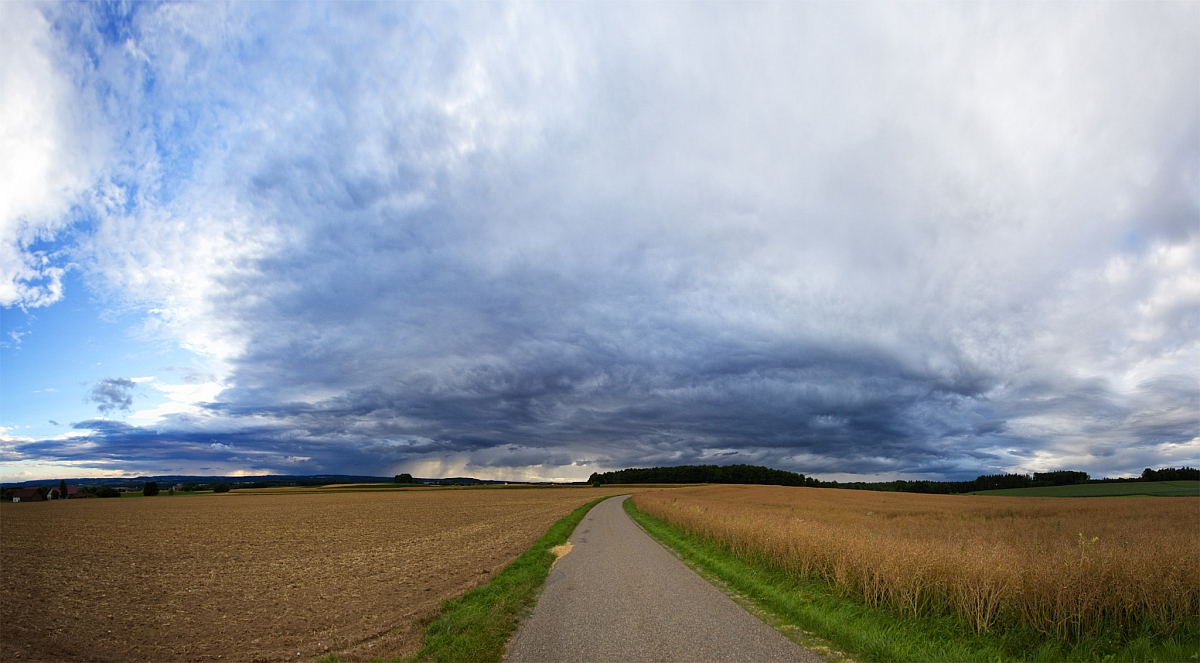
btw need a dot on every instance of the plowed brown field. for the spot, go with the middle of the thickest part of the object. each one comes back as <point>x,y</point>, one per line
<point>264,577</point>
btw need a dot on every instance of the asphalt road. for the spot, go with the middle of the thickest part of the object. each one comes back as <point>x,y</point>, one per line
<point>618,596</point>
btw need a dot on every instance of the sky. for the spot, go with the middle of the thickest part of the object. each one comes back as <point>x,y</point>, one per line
<point>540,240</point>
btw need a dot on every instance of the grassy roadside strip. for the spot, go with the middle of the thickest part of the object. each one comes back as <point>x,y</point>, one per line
<point>813,613</point>
<point>477,626</point>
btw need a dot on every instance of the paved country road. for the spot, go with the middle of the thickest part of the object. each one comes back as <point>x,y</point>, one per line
<point>619,596</point>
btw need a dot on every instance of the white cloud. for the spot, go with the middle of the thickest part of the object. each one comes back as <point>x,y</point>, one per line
<point>182,399</point>
<point>810,233</point>
<point>49,153</point>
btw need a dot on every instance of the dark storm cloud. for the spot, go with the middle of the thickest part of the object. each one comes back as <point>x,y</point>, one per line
<point>841,413</point>
<point>112,394</point>
<point>491,239</point>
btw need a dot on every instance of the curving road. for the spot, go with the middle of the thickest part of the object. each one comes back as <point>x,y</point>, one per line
<point>619,596</point>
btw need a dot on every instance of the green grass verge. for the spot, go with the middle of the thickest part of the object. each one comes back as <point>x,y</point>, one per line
<point>477,626</point>
<point>1131,489</point>
<point>818,616</point>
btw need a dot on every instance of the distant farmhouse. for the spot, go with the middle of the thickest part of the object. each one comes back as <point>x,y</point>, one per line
<point>36,494</point>
<point>73,493</point>
<point>28,495</point>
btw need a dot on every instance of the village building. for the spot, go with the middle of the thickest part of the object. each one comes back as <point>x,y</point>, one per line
<point>28,495</point>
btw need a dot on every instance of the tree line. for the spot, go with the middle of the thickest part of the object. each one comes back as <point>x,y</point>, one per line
<point>982,482</point>
<point>1171,474</point>
<point>755,474</point>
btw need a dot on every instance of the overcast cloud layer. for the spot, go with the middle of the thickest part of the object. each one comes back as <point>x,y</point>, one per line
<point>521,241</point>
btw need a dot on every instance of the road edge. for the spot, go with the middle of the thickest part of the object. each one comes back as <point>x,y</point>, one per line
<point>780,623</point>
<point>478,625</point>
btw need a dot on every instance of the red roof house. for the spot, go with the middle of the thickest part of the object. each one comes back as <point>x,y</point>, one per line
<point>27,495</point>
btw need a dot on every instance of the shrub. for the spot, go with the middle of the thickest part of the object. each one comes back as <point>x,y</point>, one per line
<point>150,489</point>
<point>221,488</point>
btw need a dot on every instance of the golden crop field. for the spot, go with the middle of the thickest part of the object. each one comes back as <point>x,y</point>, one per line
<point>1067,567</point>
<point>262,577</point>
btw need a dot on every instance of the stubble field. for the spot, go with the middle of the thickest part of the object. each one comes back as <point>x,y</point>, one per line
<point>1067,568</point>
<point>266,577</point>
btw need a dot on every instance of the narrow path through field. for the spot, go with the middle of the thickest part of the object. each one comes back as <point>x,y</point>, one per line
<point>619,596</point>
